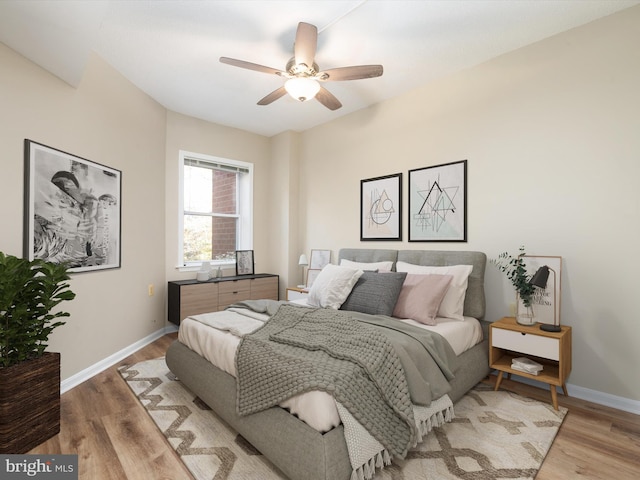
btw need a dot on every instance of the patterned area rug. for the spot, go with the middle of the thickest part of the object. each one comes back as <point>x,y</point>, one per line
<point>493,435</point>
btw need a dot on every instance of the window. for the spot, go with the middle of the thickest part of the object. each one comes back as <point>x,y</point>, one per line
<point>216,209</point>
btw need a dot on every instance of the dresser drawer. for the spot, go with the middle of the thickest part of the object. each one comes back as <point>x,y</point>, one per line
<point>235,286</point>
<point>526,343</point>
<point>232,292</point>
<point>199,298</point>
<point>264,288</point>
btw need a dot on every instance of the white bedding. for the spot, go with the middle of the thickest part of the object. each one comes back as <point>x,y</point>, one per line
<point>318,409</point>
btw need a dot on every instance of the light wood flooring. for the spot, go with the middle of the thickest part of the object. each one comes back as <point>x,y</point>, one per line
<point>115,439</point>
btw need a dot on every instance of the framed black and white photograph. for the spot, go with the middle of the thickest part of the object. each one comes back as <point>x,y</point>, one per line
<point>244,262</point>
<point>319,259</point>
<point>72,209</point>
<point>381,208</point>
<point>438,203</point>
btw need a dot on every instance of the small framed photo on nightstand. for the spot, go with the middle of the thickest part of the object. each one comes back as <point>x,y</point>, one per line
<point>319,259</point>
<point>312,274</point>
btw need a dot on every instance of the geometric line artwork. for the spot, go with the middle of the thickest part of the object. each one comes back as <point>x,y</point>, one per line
<point>381,208</point>
<point>438,203</point>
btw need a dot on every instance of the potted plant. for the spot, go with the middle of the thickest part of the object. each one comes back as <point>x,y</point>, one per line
<point>29,376</point>
<point>516,271</point>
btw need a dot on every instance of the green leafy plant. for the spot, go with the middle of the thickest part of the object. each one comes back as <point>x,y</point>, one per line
<point>29,290</point>
<point>516,272</point>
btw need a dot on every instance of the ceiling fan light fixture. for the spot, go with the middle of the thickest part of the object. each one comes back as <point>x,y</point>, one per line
<point>302,88</point>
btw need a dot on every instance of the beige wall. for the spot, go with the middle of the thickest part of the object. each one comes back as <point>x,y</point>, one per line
<point>550,133</point>
<point>107,120</point>
<point>551,137</point>
<point>193,135</point>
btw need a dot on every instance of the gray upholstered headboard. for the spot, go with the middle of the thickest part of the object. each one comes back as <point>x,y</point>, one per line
<point>474,303</point>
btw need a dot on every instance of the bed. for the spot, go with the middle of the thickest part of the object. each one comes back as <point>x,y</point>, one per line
<point>299,450</point>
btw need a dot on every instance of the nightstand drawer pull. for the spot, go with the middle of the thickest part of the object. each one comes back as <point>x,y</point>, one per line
<point>537,345</point>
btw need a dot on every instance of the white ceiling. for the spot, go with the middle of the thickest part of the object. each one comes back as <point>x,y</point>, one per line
<point>170,49</point>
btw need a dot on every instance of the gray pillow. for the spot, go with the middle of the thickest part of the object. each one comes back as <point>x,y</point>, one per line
<point>375,293</point>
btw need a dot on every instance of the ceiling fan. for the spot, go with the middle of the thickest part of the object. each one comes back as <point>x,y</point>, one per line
<point>303,74</point>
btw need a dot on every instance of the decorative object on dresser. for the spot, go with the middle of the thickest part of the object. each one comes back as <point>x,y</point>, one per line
<point>438,203</point>
<point>303,262</point>
<point>510,340</point>
<point>29,376</point>
<point>191,297</point>
<point>72,209</point>
<point>244,262</point>
<point>381,208</point>
<point>205,273</point>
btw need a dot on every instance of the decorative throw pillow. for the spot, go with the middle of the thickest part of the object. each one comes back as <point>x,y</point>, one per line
<point>375,293</point>
<point>372,266</point>
<point>421,296</point>
<point>332,286</point>
<point>452,305</point>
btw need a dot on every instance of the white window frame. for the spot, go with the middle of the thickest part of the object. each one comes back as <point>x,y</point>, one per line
<point>245,206</point>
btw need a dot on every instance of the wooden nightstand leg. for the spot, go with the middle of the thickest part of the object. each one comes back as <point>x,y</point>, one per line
<point>498,380</point>
<point>564,390</point>
<point>554,396</point>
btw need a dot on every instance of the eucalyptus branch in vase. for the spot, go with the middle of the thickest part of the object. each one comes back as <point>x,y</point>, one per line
<point>516,271</point>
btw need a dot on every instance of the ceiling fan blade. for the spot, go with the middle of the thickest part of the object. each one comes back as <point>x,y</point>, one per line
<point>273,96</point>
<point>350,73</point>
<point>326,98</point>
<point>304,48</point>
<point>250,66</point>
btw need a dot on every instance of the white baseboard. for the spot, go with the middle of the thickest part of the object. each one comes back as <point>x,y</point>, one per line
<point>601,398</point>
<point>111,360</point>
<point>594,396</point>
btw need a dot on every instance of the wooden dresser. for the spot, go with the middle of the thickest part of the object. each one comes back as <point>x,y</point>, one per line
<point>190,297</point>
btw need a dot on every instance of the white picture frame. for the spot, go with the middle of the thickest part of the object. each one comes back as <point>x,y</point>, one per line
<point>312,274</point>
<point>546,302</point>
<point>319,259</point>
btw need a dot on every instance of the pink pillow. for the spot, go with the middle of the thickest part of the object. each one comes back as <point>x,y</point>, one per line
<point>421,296</point>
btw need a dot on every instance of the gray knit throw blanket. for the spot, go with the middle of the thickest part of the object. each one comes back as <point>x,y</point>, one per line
<point>302,349</point>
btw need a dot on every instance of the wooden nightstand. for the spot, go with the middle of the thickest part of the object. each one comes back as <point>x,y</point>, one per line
<point>508,340</point>
<point>296,293</point>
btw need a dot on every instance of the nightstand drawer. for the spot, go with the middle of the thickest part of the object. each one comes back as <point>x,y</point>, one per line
<point>526,343</point>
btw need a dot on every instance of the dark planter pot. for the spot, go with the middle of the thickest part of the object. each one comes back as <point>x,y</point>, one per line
<point>29,403</point>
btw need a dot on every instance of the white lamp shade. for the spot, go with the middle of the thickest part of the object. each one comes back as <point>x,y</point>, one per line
<point>302,88</point>
<point>303,260</point>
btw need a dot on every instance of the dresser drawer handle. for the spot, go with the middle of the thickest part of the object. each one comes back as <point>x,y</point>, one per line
<point>522,333</point>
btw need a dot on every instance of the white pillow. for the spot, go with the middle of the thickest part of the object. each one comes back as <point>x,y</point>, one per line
<point>332,286</point>
<point>373,266</point>
<point>452,305</point>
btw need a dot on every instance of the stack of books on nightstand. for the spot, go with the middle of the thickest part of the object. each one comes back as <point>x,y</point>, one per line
<point>523,364</point>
